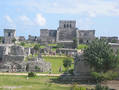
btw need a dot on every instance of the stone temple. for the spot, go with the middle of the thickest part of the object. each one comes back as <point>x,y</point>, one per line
<point>9,35</point>
<point>65,34</point>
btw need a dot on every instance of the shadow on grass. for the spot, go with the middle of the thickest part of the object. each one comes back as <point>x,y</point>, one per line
<point>69,79</point>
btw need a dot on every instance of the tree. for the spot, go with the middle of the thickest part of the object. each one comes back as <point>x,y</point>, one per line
<point>67,63</point>
<point>0,39</point>
<point>75,45</point>
<point>22,43</point>
<point>36,47</point>
<point>14,40</point>
<point>100,56</point>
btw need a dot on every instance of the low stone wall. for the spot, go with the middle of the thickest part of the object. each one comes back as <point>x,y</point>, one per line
<point>12,58</point>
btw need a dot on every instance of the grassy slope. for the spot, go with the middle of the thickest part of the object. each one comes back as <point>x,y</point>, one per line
<point>56,62</point>
<point>36,83</point>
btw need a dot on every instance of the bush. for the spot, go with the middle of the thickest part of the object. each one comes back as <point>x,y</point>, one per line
<point>75,87</point>
<point>110,75</point>
<point>71,71</point>
<point>97,76</point>
<point>31,74</point>
<point>99,87</point>
<point>104,76</point>
<point>67,63</point>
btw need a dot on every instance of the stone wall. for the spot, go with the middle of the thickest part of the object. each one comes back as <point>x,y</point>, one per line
<point>81,67</point>
<point>86,36</point>
<point>1,52</point>
<point>115,47</point>
<point>17,50</point>
<point>21,38</point>
<point>32,38</point>
<point>110,39</point>
<point>47,36</point>
<point>13,58</point>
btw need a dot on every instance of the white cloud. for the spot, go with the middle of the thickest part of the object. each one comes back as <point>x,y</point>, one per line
<point>26,20</point>
<point>87,7</point>
<point>9,19</point>
<point>37,20</point>
<point>40,20</point>
<point>10,23</point>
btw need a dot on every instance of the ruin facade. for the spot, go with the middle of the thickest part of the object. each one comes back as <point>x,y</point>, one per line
<point>65,33</point>
<point>13,59</point>
<point>9,36</point>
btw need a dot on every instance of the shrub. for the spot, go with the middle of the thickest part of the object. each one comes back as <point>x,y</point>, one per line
<point>97,76</point>
<point>67,63</point>
<point>104,76</point>
<point>71,71</point>
<point>31,74</point>
<point>75,87</point>
<point>99,87</point>
<point>110,75</point>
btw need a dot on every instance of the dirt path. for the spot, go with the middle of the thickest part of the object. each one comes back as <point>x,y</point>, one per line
<point>27,74</point>
<point>113,84</point>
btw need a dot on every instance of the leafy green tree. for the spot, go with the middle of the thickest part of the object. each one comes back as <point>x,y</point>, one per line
<point>100,56</point>
<point>36,47</point>
<point>67,63</point>
<point>22,43</point>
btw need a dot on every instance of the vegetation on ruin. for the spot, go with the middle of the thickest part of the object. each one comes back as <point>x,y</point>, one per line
<point>30,83</point>
<point>57,62</point>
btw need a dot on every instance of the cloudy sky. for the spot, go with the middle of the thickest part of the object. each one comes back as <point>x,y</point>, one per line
<point>29,16</point>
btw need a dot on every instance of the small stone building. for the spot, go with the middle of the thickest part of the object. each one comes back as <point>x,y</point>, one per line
<point>114,46</point>
<point>110,39</point>
<point>9,36</point>
<point>21,38</point>
<point>47,36</point>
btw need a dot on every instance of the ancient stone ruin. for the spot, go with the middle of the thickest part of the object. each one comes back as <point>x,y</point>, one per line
<point>12,59</point>
<point>65,33</point>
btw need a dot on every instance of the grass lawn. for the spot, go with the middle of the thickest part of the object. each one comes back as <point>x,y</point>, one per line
<point>57,62</point>
<point>82,46</point>
<point>34,83</point>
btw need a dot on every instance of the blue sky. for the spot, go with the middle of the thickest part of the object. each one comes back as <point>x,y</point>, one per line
<point>29,16</point>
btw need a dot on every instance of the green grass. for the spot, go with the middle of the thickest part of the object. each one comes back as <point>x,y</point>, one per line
<point>34,83</point>
<point>57,62</point>
<point>42,47</point>
<point>52,44</point>
<point>82,46</point>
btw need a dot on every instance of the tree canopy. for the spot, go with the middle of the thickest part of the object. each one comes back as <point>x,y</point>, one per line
<point>100,56</point>
<point>67,63</point>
